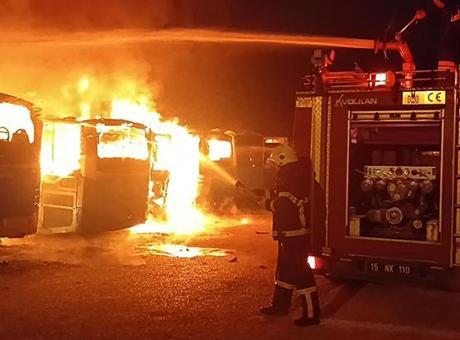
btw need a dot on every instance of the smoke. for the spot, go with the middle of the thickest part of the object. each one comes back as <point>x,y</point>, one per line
<point>49,45</point>
<point>49,74</point>
<point>85,15</point>
<point>187,80</point>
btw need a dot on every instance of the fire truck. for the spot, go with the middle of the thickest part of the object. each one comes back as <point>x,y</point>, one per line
<point>385,152</point>
<point>20,138</point>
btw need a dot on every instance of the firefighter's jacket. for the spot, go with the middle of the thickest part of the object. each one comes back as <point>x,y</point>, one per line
<point>289,202</point>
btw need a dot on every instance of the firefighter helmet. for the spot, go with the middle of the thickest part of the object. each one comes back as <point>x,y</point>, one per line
<point>282,155</point>
<point>439,3</point>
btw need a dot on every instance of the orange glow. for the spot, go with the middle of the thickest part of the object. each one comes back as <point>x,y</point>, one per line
<point>176,149</point>
<point>162,148</point>
<point>178,153</point>
<point>121,141</point>
<point>83,85</point>
<point>245,220</point>
<point>13,118</point>
<point>61,145</point>
<point>61,149</point>
<point>182,162</point>
<point>219,149</point>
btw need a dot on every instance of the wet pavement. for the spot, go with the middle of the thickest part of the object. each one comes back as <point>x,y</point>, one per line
<point>208,286</point>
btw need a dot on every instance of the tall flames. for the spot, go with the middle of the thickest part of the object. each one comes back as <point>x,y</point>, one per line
<point>178,153</point>
<point>121,141</point>
<point>219,149</point>
<point>176,150</point>
<point>61,149</point>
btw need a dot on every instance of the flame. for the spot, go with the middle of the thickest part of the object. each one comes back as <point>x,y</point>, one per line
<point>13,118</point>
<point>61,145</point>
<point>178,153</point>
<point>219,149</point>
<point>162,152</point>
<point>83,85</point>
<point>122,141</point>
<point>182,161</point>
<point>176,149</point>
<point>245,220</point>
<point>61,149</point>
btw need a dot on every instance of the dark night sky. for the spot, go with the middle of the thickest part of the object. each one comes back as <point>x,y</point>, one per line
<point>233,86</point>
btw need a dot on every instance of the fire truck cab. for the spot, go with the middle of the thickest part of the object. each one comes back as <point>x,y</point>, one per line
<point>385,151</point>
<point>20,138</point>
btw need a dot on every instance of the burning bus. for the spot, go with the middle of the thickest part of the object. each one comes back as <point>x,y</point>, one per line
<point>230,155</point>
<point>218,162</point>
<point>385,151</point>
<point>20,139</point>
<point>95,175</point>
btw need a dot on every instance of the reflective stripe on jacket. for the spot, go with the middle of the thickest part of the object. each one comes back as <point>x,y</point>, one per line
<point>283,230</point>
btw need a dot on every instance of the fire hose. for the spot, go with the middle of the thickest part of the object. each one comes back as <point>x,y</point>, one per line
<point>260,200</point>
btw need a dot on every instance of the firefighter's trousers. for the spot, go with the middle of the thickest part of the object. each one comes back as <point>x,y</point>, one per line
<point>293,272</point>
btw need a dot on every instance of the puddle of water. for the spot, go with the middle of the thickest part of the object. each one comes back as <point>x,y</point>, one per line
<point>177,250</point>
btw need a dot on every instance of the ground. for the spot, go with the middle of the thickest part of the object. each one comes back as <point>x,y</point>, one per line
<point>119,285</point>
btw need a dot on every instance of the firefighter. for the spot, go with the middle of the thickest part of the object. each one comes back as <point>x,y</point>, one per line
<point>291,231</point>
<point>449,53</point>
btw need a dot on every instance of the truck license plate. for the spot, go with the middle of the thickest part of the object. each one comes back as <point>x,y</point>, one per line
<point>390,268</point>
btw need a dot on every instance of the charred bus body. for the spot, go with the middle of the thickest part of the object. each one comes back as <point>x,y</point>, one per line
<point>20,138</point>
<point>385,153</point>
<point>95,175</point>
<point>231,155</point>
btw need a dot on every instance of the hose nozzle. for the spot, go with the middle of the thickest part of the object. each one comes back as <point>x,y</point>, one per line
<point>244,189</point>
<point>240,185</point>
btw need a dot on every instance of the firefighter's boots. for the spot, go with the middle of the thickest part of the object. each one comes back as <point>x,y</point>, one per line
<point>280,304</point>
<point>310,310</point>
